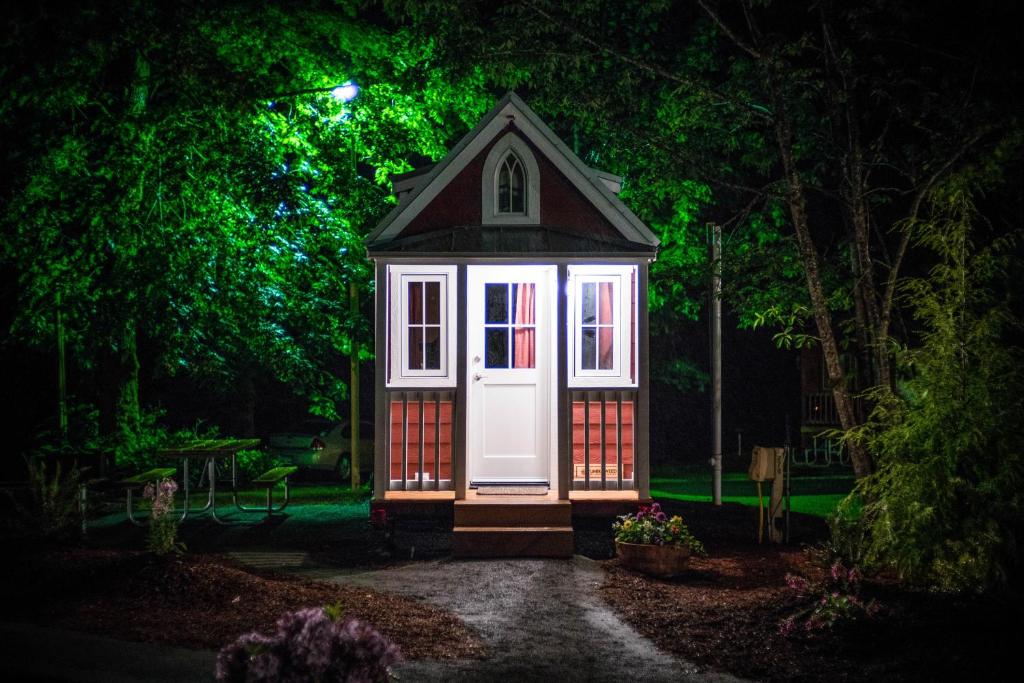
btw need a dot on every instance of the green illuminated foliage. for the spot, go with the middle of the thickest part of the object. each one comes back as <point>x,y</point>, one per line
<point>182,176</point>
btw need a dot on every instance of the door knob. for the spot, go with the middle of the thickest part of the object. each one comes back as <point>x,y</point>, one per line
<point>476,359</point>
<point>478,377</point>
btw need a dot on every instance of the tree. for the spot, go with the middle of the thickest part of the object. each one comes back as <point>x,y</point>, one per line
<point>184,179</point>
<point>814,135</point>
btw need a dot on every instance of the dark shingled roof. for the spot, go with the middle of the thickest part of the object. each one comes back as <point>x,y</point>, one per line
<point>508,240</point>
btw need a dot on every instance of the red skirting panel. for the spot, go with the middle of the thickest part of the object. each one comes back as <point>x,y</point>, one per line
<point>430,439</point>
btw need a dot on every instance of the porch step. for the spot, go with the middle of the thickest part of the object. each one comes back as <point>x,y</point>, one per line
<point>513,513</point>
<point>512,541</point>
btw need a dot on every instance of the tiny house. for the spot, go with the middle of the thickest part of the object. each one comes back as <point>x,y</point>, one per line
<point>511,341</point>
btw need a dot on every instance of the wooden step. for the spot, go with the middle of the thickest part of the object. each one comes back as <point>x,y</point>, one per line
<point>519,513</point>
<point>502,541</point>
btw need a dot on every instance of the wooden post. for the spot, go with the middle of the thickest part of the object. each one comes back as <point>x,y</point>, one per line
<point>642,413</point>
<point>564,402</point>
<point>382,406</point>
<point>460,449</point>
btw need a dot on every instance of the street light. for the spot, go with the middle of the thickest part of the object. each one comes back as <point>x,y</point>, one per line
<point>346,92</point>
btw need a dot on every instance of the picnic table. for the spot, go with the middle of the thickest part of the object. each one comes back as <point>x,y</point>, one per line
<point>210,451</point>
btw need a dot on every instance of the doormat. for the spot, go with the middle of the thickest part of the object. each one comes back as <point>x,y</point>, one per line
<point>512,491</point>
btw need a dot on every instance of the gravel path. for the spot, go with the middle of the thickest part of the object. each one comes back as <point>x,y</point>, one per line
<point>541,620</point>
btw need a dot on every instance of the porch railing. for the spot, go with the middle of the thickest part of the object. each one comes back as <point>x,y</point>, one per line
<point>820,409</point>
<point>420,440</point>
<point>602,432</point>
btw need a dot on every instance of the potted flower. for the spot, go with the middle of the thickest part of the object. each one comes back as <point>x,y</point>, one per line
<point>651,542</point>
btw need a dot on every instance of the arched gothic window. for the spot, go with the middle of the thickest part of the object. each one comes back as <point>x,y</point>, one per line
<point>511,185</point>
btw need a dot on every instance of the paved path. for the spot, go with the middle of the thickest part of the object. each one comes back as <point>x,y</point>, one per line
<point>540,619</point>
<point>35,653</point>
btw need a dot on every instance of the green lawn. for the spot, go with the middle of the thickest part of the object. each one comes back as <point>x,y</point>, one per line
<point>813,493</point>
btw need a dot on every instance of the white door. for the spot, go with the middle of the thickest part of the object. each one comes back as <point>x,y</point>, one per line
<point>511,368</point>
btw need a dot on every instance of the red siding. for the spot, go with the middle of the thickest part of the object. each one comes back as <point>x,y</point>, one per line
<point>561,204</point>
<point>611,452</point>
<point>413,440</point>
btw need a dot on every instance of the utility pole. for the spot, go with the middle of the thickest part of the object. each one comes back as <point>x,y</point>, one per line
<point>716,363</point>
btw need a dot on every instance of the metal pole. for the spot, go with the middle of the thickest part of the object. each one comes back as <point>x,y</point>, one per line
<point>716,362</point>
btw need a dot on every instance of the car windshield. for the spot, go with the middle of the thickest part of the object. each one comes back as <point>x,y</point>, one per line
<point>318,427</point>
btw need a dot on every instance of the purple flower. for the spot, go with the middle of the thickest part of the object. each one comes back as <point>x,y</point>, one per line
<point>655,507</point>
<point>837,570</point>
<point>309,645</point>
<point>661,516</point>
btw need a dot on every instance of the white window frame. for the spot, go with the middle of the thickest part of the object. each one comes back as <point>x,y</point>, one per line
<point>399,278</point>
<point>490,215</point>
<point>622,300</point>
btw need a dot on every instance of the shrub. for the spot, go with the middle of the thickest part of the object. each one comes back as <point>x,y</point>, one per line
<point>835,601</point>
<point>651,526</point>
<point>163,524</point>
<point>944,505</point>
<point>252,464</point>
<point>315,644</point>
<point>52,511</point>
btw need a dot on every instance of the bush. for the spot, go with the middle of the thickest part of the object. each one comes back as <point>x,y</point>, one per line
<point>52,511</point>
<point>944,505</point>
<point>315,644</point>
<point>252,464</point>
<point>835,601</point>
<point>163,523</point>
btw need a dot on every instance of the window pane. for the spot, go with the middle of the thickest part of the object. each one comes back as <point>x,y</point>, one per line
<point>588,352</point>
<point>589,302</point>
<point>496,303</point>
<point>605,348</point>
<point>433,302</point>
<point>518,192</point>
<point>604,314</point>
<point>415,302</point>
<point>524,353</point>
<point>523,303</point>
<point>433,348</point>
<point>504,195</point>
<point>415,348</point>
<point>496,341</point>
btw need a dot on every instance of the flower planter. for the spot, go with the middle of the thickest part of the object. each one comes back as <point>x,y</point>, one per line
<point>662,561</point>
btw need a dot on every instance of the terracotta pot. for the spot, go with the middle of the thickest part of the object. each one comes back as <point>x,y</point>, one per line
<point>657,560</point>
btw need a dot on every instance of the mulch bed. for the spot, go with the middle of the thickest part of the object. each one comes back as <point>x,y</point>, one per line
<point>724,612</point>
<point>206,601</point>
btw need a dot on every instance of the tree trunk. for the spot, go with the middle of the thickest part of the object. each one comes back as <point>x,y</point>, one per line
<point>127,412</point>
<point>246,395</point>
<point>862,465</point>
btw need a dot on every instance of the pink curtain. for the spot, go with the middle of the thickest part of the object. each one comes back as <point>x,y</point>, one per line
<point>525,347</point>
<point>606,335</point>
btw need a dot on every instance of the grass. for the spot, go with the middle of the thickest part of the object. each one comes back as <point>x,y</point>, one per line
<point>812,492</point>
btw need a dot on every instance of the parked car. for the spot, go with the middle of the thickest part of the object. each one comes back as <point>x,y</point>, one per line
<point>324,446</point>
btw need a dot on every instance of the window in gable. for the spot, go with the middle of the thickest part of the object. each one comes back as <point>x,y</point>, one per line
<point>511,185</point>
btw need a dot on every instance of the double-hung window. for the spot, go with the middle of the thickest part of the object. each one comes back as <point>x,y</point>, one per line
<point>421,333</point>
<point>602,326</point>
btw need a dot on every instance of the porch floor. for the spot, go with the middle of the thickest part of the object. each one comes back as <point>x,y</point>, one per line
<point>475,498</point>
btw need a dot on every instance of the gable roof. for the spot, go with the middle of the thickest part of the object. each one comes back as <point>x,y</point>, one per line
<point>418,189</point>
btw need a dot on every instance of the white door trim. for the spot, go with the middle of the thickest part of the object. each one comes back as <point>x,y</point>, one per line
<point>546,468</point>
